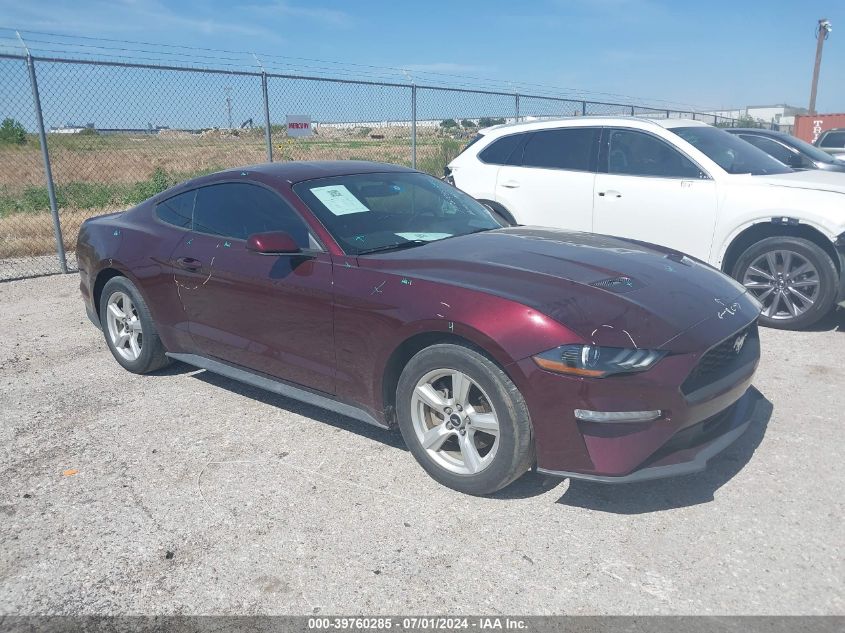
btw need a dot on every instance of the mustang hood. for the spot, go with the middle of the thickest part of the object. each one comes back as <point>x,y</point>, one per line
<point>590,283</point>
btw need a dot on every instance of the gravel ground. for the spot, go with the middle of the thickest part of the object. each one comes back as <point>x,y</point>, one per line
<point>187,493</point>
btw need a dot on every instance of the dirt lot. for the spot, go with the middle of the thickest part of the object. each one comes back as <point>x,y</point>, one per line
<point>186,493</point>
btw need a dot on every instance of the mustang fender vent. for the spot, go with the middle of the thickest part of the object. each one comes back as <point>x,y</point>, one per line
<point>617,284</point>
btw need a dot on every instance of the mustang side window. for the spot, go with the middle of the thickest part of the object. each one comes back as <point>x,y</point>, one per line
<point>633,153</point>
<point>238,210</point>
<point>177,210</point>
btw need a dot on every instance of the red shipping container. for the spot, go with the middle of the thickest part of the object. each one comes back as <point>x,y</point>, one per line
<point>809,126</point>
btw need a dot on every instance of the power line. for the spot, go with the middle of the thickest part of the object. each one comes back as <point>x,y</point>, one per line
<point>344,69</point>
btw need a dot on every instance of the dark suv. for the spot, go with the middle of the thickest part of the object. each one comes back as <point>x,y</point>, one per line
<point>789,150</point>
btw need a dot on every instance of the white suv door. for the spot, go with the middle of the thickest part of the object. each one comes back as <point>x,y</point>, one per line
<point>654,193</point>
<point>552,182</point>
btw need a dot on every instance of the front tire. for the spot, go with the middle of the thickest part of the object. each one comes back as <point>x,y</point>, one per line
<point>129,330</point>
<point>463,419</point>
<point>794,279</point>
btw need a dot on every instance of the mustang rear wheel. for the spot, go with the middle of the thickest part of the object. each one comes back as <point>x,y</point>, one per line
<point>129,329</point>
<point>464,420</point>
<point>794,279</point>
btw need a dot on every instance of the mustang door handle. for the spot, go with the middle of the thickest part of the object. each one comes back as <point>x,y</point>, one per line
<point>610,193</point>
<point>189,262</point>
<point>511,184</point>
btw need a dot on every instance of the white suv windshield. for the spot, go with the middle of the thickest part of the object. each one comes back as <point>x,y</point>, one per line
<point>731,153</point>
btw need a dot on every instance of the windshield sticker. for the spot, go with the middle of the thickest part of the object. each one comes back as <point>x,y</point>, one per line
<point>338,200</point>
<point>428,237</point>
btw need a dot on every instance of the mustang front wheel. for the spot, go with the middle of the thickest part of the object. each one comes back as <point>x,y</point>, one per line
<point>463,419</point>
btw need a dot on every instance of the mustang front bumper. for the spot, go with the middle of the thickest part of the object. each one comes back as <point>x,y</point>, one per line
<point>703,400</point>
<point>687,452</point>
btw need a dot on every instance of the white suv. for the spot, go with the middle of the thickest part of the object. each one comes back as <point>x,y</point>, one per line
<point>679,183</point>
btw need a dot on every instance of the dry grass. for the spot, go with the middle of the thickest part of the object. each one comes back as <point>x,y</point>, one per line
<point>126,160</point>
<point>32,234</point>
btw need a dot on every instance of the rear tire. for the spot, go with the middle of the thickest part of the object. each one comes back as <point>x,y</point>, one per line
<point>129,330</point>
<point>463,419</point>
<point>794,279</point>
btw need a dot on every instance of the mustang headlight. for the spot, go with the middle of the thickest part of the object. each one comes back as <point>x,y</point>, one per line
<point>596,361</point>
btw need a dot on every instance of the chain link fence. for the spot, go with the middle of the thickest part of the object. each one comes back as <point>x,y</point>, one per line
<point>117,133</point>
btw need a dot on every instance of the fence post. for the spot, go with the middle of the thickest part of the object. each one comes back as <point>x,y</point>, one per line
<point>516,107</point>
<point>48,172</point>
<point>268,136</point>
<point>583,108</point>
<point>633,111</point>
<point>413,126</point>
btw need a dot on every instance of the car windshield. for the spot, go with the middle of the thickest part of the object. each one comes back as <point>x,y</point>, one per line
<point>384,211</point>
<point>730,152</point>
<point>813,152</point>
<point>835,139</point>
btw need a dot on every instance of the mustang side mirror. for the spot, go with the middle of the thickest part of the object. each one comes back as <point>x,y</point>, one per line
<point>272,243</point>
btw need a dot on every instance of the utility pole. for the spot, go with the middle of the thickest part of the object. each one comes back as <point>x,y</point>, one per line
<point>228,90</point>
<point>823,32</point>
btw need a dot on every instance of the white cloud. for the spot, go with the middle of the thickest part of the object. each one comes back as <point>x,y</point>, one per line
<point>320,15</point>
<point>126,16</point>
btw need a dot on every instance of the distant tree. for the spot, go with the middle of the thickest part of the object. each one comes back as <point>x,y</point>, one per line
<point>12,132</point>
<point>467,123</point>
<point>487,121</point>
<point>448,123</point>
<point>743,121</point>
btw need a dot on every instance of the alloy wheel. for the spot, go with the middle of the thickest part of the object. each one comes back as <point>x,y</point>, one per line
<point>785,282</point>
<point>124,326</point>
<point>455,421</point>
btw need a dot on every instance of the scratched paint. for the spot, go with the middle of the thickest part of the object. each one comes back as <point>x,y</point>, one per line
<point>197,286</point>
<point>610,327</point>
<point>727,309</point>
<point>377,289</point>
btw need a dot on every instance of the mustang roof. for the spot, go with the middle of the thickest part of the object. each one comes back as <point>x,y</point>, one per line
<point>297,171</point>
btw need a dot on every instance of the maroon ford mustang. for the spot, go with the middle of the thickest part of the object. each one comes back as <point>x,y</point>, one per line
<point>387,295</point>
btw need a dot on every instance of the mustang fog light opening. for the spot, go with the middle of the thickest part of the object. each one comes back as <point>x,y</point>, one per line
<point>597,362</point>
<point>617,416</point>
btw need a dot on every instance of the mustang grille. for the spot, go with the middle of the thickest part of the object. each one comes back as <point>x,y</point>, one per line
<point>723,358</point>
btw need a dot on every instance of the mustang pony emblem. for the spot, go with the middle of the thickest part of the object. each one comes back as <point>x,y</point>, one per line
<point>739,342</point>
